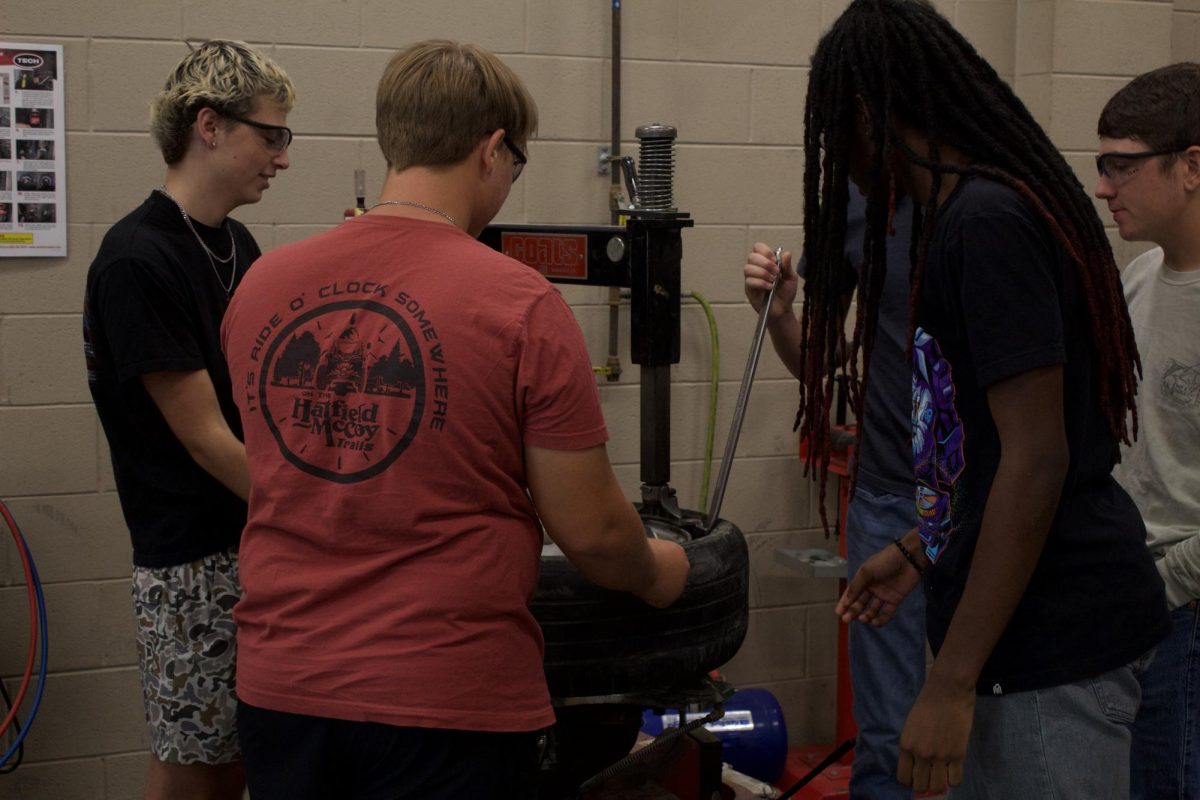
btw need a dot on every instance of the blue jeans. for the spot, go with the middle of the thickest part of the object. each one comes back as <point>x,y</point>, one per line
<point>1166,737</point>
<point>887,665</point>
<point>1068,742</point>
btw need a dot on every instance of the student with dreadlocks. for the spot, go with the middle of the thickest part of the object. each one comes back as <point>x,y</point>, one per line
<point>1149,165</point>
<point>887,664</point>
<point>1042,599</point>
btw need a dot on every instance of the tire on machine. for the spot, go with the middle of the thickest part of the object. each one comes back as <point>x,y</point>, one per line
<point>600,642</point>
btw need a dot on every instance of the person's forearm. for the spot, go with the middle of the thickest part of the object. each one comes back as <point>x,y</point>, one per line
<point>911,542</point>
<point>1016,522</point>
<point>188,404</point>
<point>1180,570</point>
<point>618,556</point>
<point>221,455</point>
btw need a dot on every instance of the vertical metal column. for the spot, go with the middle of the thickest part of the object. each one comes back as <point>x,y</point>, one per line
<point>656,262</point>
<point>656,259</point>
<point>613,362</point>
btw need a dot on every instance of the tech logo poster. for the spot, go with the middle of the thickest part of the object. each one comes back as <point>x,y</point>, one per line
<point>345,387</point>
<point>33,158</point>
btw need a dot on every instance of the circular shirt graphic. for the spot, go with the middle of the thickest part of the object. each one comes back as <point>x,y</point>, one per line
<point>342,389</point>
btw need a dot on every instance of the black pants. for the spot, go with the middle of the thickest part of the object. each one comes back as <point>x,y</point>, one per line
<point>298,757</point>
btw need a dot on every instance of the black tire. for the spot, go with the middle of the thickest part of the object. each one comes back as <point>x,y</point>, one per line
<point>600,642</point>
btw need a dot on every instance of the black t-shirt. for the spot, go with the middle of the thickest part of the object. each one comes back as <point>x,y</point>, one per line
<point>885,442</point>
<point>154,304</point>
<point>999,298</point>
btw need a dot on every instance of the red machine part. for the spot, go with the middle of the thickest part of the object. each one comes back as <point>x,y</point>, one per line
<point>833,783</point>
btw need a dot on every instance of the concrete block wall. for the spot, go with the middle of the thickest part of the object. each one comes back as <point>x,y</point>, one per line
<point>731,77</point>
<point>1072,55</point>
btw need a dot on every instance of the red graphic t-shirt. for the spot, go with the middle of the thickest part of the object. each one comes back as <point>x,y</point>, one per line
<point>389,373</point>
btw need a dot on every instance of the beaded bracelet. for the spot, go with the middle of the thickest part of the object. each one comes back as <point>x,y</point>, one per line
<point>920,570</point>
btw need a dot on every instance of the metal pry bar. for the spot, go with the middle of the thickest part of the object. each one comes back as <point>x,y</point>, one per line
<point>739,411</point>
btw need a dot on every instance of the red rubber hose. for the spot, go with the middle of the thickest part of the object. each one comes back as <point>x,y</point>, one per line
<point>33,619</point>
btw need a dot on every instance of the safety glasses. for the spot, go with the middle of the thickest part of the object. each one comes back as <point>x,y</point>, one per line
<point>277,137</point>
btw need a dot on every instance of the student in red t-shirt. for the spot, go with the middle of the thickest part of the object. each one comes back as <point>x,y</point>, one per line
<point>413,403</point>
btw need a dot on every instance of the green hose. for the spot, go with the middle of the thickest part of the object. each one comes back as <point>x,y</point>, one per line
<point>712,394</point>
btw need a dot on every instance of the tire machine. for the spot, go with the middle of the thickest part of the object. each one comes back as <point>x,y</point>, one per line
<point>645,256</point>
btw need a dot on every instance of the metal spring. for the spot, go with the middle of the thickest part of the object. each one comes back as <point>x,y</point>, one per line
<point>656,167</point>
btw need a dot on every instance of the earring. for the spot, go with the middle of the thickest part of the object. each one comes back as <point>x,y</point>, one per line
<point>213,144</point>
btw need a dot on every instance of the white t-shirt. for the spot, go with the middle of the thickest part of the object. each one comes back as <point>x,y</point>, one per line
<point>1161,471</point>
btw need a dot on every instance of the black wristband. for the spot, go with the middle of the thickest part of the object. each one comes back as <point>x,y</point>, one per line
<point>920,570</point>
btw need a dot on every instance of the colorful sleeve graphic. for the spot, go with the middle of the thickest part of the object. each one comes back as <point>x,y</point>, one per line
<point>937,443</point>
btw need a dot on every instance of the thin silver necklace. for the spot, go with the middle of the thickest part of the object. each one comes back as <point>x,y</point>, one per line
<point>415,204</point>
<point>213,258</point>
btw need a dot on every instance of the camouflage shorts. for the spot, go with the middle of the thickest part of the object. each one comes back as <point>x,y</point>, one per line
<point>186,650</point>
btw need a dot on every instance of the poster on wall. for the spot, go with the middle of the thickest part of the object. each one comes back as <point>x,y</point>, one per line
<point>33,163</point>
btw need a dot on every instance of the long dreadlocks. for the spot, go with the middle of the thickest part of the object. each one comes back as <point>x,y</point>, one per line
<point>909,66</point>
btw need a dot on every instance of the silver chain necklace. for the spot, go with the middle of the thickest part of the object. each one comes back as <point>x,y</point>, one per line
<point>415,204</point>
<point>213,258</point>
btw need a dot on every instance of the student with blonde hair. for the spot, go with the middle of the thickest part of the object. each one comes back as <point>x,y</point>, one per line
<point>156,293</point>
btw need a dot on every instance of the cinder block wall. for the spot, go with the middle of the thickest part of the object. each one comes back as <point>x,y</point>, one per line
<point>730,76</point>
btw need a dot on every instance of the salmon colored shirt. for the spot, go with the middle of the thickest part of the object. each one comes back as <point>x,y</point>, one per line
<point>389,374</point>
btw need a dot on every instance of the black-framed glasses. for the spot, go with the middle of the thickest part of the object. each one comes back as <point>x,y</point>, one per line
<point>278,137</point>
<point>1119,167</point>
<point>519,159</point>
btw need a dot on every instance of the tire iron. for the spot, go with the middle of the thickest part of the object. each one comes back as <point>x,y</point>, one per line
<point>739,410</point>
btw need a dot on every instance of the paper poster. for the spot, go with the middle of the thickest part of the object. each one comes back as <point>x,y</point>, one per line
<point>33,159</point>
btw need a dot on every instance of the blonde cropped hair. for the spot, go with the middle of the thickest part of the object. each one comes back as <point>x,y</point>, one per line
<point>438,98</point>
<point>227,76</point>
